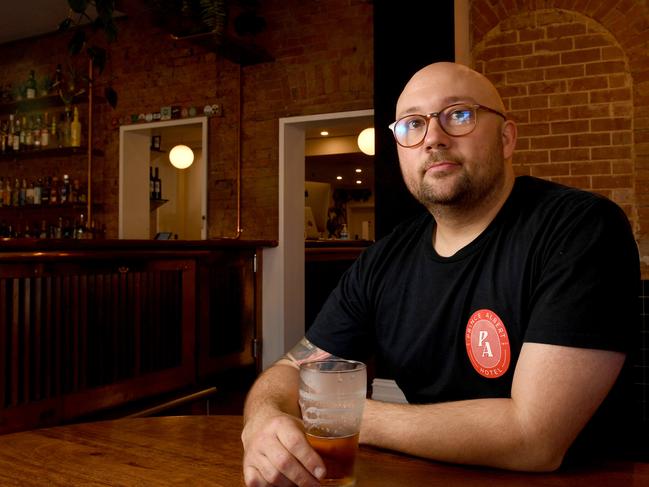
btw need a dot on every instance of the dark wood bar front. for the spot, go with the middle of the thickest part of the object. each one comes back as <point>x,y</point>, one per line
<point>87,326</point>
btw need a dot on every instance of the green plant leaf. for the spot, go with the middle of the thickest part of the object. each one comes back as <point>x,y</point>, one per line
<point>77,42</point>
<point>98,56</point>
<point>64,26</point>
<point>111,96</point>
<point>78,6</point>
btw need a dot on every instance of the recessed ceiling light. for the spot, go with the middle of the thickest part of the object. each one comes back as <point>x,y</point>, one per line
<point>324,133</point>
<point>358,169</point>
<point>358,181</point>
<point>339,178</point>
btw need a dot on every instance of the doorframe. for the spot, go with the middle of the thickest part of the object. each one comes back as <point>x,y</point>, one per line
<point>283,266</point>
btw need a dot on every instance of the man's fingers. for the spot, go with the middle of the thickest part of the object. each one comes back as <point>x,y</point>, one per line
<point>296,443</point>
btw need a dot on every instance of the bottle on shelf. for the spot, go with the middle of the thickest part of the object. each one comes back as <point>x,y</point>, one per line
<point>38,191</point>
<point>29,135</point>
<point>10,133</point>
<point>151,184</point>
<point>36,132</point>
<point>58,79</point>
<point>75,130</point>
<point>45,132</point>
<point>45,191</point>
<point>54,191</point>
<point>157,185</point>
<point>15,194</point>
<point>30,85</point>
<point>16,138</point>
<point>7,194</point>
<point>29,194</point>
<point>64,193</point>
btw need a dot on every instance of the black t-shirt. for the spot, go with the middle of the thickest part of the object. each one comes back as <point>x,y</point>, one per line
<point>557,266</point>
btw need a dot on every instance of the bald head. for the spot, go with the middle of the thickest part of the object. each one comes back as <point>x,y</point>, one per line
<point>446,83</point>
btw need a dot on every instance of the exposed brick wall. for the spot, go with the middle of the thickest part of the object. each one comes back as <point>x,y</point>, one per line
<point>574,76</point>
<point>323,63</point>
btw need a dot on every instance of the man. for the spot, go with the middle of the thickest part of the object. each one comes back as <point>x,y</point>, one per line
<point>504,312</point>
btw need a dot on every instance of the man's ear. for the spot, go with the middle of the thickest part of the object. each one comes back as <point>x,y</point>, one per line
<point>509,134</point>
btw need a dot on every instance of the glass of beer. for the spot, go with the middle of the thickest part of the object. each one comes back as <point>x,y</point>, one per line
<point>332,396</point>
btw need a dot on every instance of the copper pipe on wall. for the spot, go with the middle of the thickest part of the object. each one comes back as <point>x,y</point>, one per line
<point>89,143</point>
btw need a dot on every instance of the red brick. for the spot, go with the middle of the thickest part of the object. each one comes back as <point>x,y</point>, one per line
<point>602,124</point>
<point>524,76</point>
<point>591,40</point>
<point>560,155</point>
<point>550,114</point>
<point>565,30</point>
<point>589,168</point>
<point>522,143</point>
<point>508,51</point>
<point>519,116</point>
<point>622,167</point>
<point>589,111</point>
<point>531,34</point>
<point>604,96</point>
<point>605,67</point>
<point>503,38</point>
<point>568,99</point>
<point>612,182</point>
<point>550,142</point>
<point>538,101</point>
<point>571,127</point>
<point>545,170</point>
<point>582,182</point>
<point>553,45</point>
<point>498,65</point>
<point>589,140</point>
<point>587,83</point>
<point>611,53</point>
<point>621,138</point>
<point>556,86</point>
<point>531,157</point>
<point>541,60</point>
<point>527,130</point>
<point>581,56</point>
<point>573,71</point>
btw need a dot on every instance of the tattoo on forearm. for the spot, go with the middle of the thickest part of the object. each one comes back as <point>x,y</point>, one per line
<point>305,351</point>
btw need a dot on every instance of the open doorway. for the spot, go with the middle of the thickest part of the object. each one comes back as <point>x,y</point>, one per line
<point>283,266</point>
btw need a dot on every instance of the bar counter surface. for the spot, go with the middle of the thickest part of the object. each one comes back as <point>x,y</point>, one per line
<point>206,450</point>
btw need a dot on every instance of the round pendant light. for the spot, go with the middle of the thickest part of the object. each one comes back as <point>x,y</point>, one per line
<point>366,141</point>
<point>181,156</point>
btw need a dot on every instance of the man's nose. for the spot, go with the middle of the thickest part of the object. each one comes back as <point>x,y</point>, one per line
<point>435,136</point>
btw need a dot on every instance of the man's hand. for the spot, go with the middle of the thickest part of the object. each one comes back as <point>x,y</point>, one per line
<point>278,454</point>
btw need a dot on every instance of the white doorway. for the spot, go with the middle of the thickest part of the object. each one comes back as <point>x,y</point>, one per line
<point>283,266</point>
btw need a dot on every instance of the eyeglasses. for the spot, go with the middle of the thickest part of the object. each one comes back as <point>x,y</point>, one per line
<point>456,120</point>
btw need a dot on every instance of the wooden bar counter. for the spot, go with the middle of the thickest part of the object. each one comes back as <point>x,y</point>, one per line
<point>87,325</point>
<point>206,450</point>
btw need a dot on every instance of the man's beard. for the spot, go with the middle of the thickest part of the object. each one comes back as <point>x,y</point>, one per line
<point>460,190</point>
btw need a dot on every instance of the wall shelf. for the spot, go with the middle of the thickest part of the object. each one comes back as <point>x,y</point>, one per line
<point>47,153</point>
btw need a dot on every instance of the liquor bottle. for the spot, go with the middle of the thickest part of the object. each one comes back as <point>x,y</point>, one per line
<point>45,191</point>
<point>29,194</point>
<point>22,194</point>
<point>3,138</point>
<point>10,133</point>
<point>151,184</point>
<point>157,186</point>
<point>38,189</point>
<point>55,133</point>
<point>30,86</point>
<point>36,132</point>
<point>73,197</point>
<point>64,128</point>
<point>17,130</point>
<point>23,133</point>
<point>45,132</point>
<point>75,130</point>
<point>54,191</point>
<point>29,134</point>
<point>65,190</point>
<point>15,194</point>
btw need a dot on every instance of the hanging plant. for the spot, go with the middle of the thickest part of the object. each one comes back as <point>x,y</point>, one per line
<point>80,42</point>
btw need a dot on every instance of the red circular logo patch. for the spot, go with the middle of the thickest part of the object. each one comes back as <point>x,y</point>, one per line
<point>487,344</point>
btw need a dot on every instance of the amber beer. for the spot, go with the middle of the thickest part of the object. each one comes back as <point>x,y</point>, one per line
<point>338,455</point>
<point>332,395</point>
